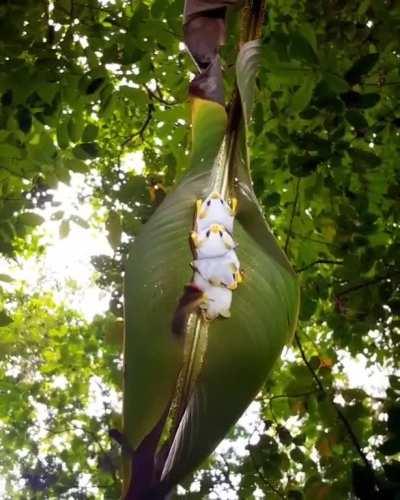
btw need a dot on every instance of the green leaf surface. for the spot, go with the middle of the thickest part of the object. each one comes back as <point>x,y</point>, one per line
<point>31,219</point>
<point>157,270</point>
<point>4,319</point>
<point>86,151</point>
<point>356,119</point>
<point>364,158</point>
<point>90,133</point>
<point>301,49</point>
<point>62,135</point>
<point>6,278</point>
<point>302,96</point>
<point>336,84</point>
<point>9,151</point>
<point>64,229</point>
<point>361,67</point>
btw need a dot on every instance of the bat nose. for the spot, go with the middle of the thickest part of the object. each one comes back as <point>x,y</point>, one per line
<point>215,228</point>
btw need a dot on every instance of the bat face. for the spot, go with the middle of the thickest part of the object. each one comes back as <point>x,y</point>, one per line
<point>214,210</point>
<point>214,241</point>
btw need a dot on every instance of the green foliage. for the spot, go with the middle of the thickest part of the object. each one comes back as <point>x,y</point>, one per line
<point>325,148</point>
<point>52,362</point>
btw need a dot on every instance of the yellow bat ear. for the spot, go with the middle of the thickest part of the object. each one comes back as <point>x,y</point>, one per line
<point>195,238</point>
<point>239,277</point>
<point>234,203</point>
<point>229,244</point>
<point>200,212</point>
<point>233,286</point>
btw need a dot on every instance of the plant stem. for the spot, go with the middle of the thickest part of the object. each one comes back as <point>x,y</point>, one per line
<point>317,262</point>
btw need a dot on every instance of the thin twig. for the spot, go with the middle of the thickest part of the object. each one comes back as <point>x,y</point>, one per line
<point>299,395</point>
<point>317,262</point>
<point>140,132</point>
<point>159,97</point>
<point>294,208</point>
<point>225,472</point>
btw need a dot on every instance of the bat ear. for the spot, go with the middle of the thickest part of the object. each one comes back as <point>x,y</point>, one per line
<point>200,212</point>
<point>195,238</point>
<point>234,203</point>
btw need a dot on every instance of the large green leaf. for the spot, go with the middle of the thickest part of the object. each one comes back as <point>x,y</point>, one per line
<point>241,350</point>
<point>158,269</point>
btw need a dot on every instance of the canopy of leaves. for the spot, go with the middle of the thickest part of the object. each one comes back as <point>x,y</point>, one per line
<point>83,83</point>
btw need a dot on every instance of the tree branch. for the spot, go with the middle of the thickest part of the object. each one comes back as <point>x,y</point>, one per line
<point>140,132</point>
<point>317,262</point>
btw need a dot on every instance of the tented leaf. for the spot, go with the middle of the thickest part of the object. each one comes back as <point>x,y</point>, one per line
<point>241,351</point>
<point>157,271</point>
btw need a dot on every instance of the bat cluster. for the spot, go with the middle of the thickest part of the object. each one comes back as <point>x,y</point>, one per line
<point>216,266</point>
